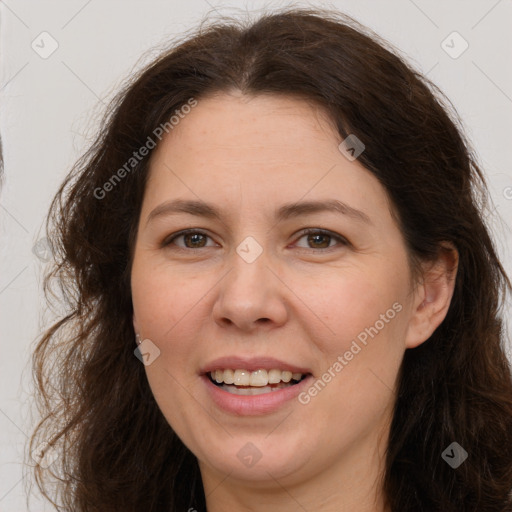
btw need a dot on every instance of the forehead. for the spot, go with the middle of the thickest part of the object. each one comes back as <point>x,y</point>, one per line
<point>251,127</point>
<point>259,149</point>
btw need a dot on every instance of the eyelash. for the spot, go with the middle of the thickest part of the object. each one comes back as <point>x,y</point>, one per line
<point>308,231</point>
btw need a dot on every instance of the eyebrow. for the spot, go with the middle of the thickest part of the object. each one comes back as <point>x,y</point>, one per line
<point>286,211</point>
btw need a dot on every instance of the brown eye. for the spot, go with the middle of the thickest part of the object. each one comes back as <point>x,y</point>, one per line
<point>195,240</point>
<point>320,239</point>
<point>192,239</point>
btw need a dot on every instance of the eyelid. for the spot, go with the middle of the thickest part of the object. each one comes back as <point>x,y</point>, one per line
<point>169,239</point>
<point>306,231</point>
<point>319,231</point>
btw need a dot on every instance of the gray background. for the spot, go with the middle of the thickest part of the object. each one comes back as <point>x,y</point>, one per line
<point>50,108</point>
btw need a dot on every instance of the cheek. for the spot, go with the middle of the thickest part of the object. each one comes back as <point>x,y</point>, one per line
<point>355,387</point>
<point>351,303</point>
<point>164,305</point>
<point>163,298</point>
<point>164,308</point>
<point>365,315</point>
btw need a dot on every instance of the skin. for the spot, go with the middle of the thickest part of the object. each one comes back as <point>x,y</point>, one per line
<point>297,301</point>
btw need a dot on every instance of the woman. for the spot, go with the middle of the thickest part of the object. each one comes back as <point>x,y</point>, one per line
<point>286,219</point>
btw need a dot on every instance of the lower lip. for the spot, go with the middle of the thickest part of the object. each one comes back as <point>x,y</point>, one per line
<point>252,405</point>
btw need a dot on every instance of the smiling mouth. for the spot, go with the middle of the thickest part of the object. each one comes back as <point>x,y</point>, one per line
<point>244,382</point>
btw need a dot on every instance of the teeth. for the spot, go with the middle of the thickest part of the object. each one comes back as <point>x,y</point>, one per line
<point>286,376</point>
<point>228,377</point>
<point>242,378</point>
<point>258,378</point>
<point>274,376</point>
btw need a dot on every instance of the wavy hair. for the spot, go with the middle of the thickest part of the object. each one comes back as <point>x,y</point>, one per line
<point>115,449</point>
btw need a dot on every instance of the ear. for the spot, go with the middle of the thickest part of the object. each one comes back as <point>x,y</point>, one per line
<point>433,295</point>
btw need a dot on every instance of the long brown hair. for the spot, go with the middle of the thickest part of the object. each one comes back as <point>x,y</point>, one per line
<point>116,450</point>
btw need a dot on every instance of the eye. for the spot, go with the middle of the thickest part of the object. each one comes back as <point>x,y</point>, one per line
<point>195,239</point>
<point>321,239</point>
<point>192,238</point>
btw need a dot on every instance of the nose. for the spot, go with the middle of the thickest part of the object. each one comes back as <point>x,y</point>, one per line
<point>251,296</point>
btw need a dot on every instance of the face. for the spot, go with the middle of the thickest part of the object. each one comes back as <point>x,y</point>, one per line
<point>248,289</point>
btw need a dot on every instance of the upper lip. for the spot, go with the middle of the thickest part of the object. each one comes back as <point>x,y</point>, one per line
<point>252,364</point>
